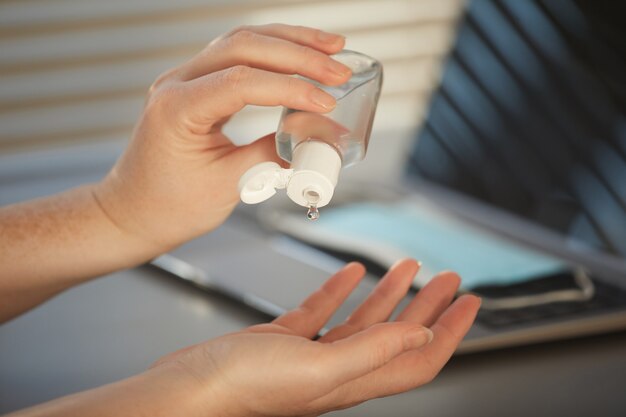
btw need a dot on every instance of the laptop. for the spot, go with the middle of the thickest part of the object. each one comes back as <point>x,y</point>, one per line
<point>521,159</point>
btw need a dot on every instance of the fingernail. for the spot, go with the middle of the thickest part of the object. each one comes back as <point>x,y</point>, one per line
<point>338,69</point>
<point>430,334</point>
<point>418,337</point>
<point>322,99</point>
<point>328,37</point>
<point>404,260</point>
<point>355,265</point>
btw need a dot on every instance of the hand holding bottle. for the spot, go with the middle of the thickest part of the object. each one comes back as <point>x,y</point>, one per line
<point>319,145</point>
<point>178,178</point>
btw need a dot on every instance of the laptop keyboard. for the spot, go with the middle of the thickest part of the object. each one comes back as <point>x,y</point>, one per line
<point>607,297</point>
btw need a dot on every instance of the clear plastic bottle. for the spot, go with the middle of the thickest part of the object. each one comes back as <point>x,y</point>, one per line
<point>347,128</point>
<point>318,145</point>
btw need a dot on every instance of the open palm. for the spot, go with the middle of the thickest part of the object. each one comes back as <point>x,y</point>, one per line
<point>280,370</point>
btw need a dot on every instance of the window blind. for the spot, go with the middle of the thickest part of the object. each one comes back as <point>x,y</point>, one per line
<point>78,70</point>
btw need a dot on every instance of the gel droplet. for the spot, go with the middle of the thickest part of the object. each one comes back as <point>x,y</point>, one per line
<point>313,213</point>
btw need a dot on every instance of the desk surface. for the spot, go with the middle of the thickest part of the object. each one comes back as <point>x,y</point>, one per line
<point>117,325</point>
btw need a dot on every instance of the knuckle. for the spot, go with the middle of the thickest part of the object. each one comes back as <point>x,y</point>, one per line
<point>295,89</point>
<point>308,54</point>
<point>278,26</point>
<point>293,85</point>
<point>160,81</point>
<point>242,37</point>
<point>381,354</point>
<point>297,28</point>
<point>311,59</point>
<point>448,332</point>
<point>315,33</point>
<point>161,98</point>
<point>240,28</point>
<point>236,76</point>
<point>217,41</point>
<point>231,38</point>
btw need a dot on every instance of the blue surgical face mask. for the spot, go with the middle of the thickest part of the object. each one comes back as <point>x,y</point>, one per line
<point>386,233</point>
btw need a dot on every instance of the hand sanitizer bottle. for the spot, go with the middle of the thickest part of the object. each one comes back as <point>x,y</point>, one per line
<point>318,145</point>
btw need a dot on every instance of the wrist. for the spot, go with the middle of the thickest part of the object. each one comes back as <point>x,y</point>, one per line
<point>172,390</point>
<point>153,208</point>
<point>192,394</point>
<point>123,216</point>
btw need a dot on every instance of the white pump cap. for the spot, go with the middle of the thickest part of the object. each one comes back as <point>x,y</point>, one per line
<point>310,181</point>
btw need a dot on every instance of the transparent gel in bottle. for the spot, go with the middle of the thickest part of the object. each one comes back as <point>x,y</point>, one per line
<point>347,127</point>
<point>318,145</point>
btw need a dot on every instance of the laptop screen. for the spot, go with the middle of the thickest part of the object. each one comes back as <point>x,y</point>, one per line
<point>530,116</point>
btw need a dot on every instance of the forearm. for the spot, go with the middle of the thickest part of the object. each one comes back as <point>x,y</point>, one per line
<point>50,244</point>
<point>164,391</point>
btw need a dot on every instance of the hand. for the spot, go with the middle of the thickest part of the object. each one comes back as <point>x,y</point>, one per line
<point>178,178</point>
<point>276,369</point>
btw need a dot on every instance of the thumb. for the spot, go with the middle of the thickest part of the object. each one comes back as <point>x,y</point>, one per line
<point>372,348</point>
<point>261,150</point>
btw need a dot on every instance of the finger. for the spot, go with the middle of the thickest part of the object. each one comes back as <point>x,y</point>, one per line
<point>366,351</point>
<point>269,53</point>
<point>422,366</point>
<point>245,157</point>
<point>449,330</point>
<point>417,367</point>
<point>315,38</point>
<point>242,158</point>
<point>318,308</point>
<point>386,296</point>
<point>209,98</point>
<point>381,303</point>
<point>432,300</point>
